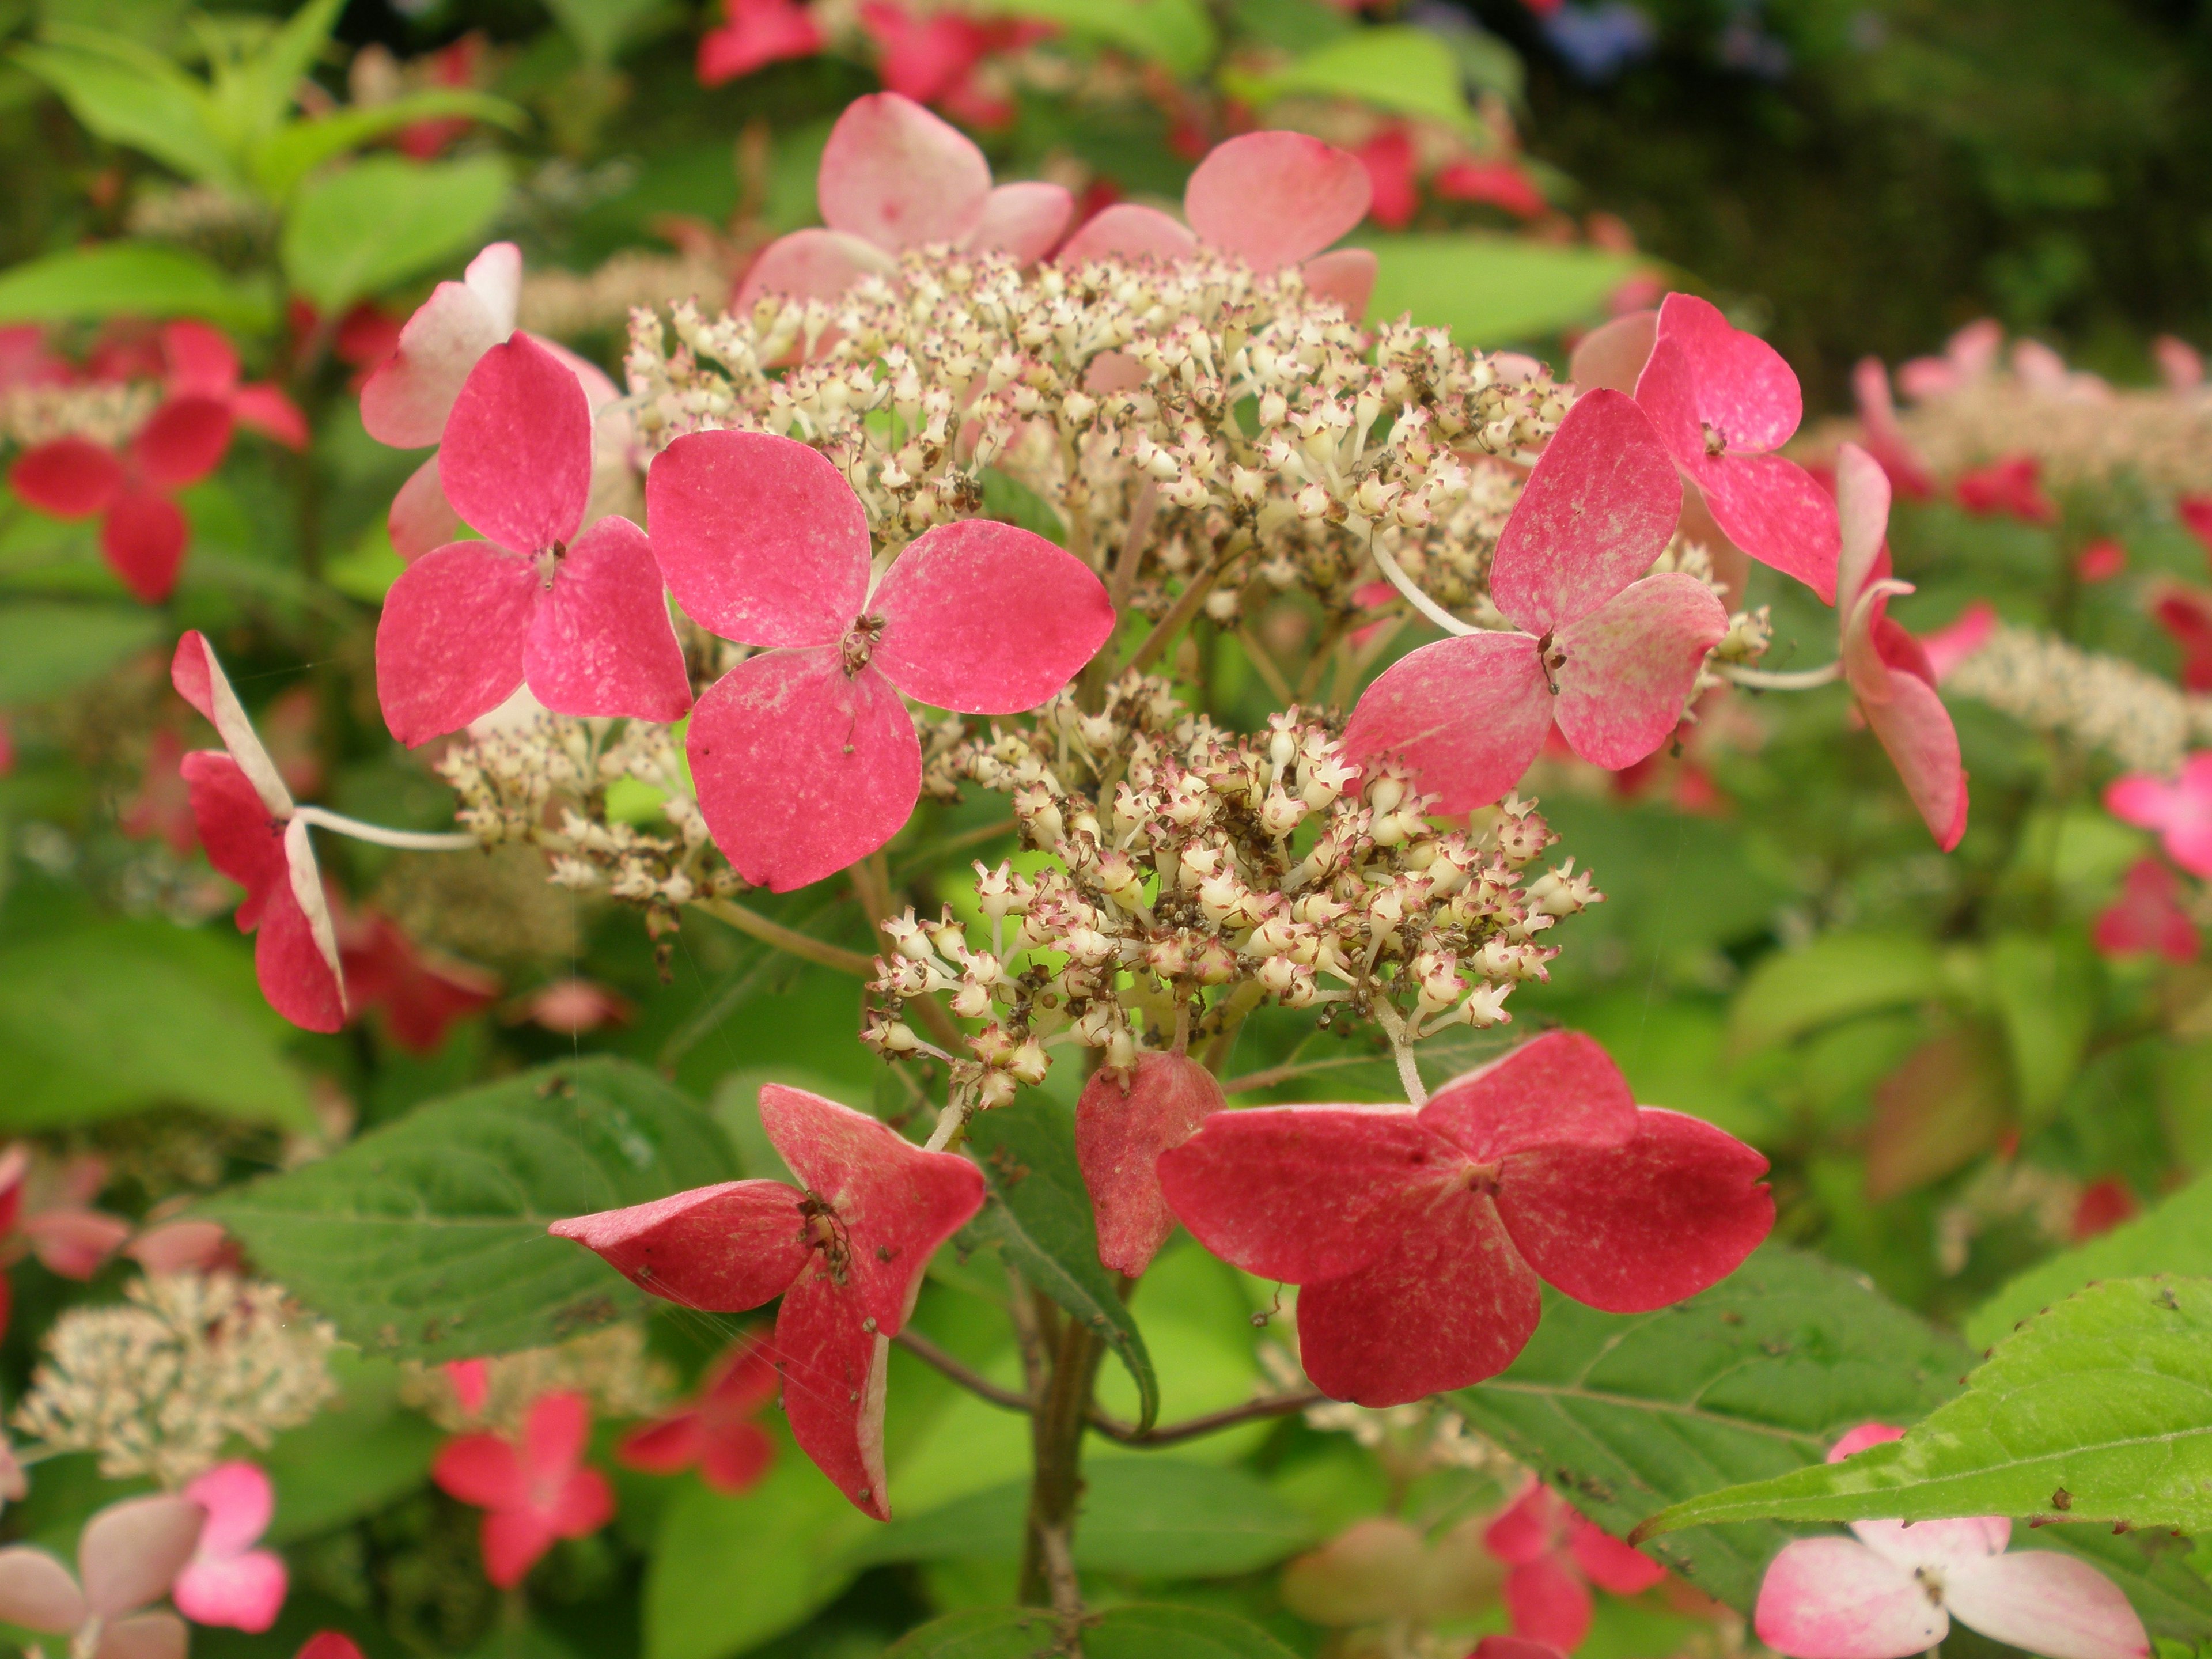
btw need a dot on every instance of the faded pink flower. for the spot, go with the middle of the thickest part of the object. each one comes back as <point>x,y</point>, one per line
<point>1555,1555</point>
<point>2179,808</point>
<point>2147,919</point>
<point>227,1582</point>
<point>1609,653</point>
<point>2008,489</point>
<point>1498,183</point>
<point>2042,370</point>
<point>1123,1122</point>
<point>579,619</point>
<point>1968,358</point>
<point>805,757</point>
<point>715,1433</point>
<point>895,177</point>
<point>753,34</point>
<point>2180,365</point>
<point>931,57</point>
<point>534,1489</point>
<point>1894,1589</point>
<point>1947,647</point>
<point>49,1213</point>
<point>127,1557</point>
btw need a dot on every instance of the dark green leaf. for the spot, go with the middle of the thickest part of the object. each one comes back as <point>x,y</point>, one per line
<point>48,648</point>
<point>1040,1215</point>
<point>383,220</point>
<point>1492,290</point>
<point>428,1237</point>
<point>1132,1633</point>
<point>2176,1237</point>
<point>597,27</point>
<point>1793,992</point>
<point>1625,1415</point>
<point>1009,500</point>
<point>137,279</point>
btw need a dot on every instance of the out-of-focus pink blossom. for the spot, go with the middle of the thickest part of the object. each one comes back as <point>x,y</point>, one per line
<point>571,1006</point>
<point>1947,647</point>
<point>1554,1555</point>
<point>47,1213</point>
<point>1495,183</point>
<point>2011,488</point>
<point>2194,513</point>
<point>1883,437</point>
<point>2179,808</point>
<point>2101,561</point>
<point>715,1433</point>
<point>535,1490</point>
<point>2180,365</point>
<point>185,1246</point>
<point>754,33</point>
<point>1393,190</point>
<point>227,1582</point>
<point>127,1556</point>
<point>2105,1203</point>
<point>422,993</point>
<point>328,1644</point>
<point>1968,358</point>
<point>471,1383</point>
<point>2044,371</point>
<point>932,56</point>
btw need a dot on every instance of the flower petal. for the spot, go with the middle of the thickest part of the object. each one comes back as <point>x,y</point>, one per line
<point>1561,1089</point>
<point>834,1370</point>
<point>1744,387</point>
<point>199,680</point>
<point>1548,1604</point>
<point>142,539</point>
<point>554,1435</point>
<point>1611,1565</point>
<point>449,646</point>
<point>1598,509</point>
<point>516,458</point>
<point>1632,663</point>
<point>1467,714</point>
<point>1273,198</point>
<point>1122,1125</point>
<point>738,1455</point>
<point>149,1636</point>
<point>1833,1598</point>
<point>1948,1547</point>
<point>1916,729</point>
<point>895,1202</point>
<point>760,537</point>
<point>802,769</point>
<point>2055,1605</point>
<point>1613,354</point>
<point>239,1592</point>
<point>945,639</point>
<point>1025,220</point>
<point>898,177</point>
<point>182,441</point>
<point>482,1469</point>
<point>405,401</point>
<point>1529,1527</point>
<point>719,1249</point>
<point>243,839</point>
<point>37,1592</point>
<point>421,518</point>
<point>668,1447</point>
<point>1302,1193</point>
<point>1127,230</point>
<point>495,276</point>
<point>812,264</point>
<point>513,1542</point>
<point>1777,512</point>
<point>584,1503</point>
<point>1448,1304</point>
<point>239,1501</point>
<point>295,953</point>
<point>199,361</point>
<point>1346,275</point>
<point>69,477</point>
<point>329,1644</point>
<point>1635,1227</point>
<point>130,1552</point>
<point>601,642</point>
<point>265,409</point>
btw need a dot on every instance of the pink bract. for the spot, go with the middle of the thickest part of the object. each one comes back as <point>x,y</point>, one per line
<point>894,176</point>
<point>534,1491</point>
<point>753,34</point>
<point>2147,919</point>
<point>2179,809</point>
<point>1554,1556</point>
<point>805,757</point>
<point>1420,1236</point>
<point>227,1582</point>
<point>1970,356</point>
<point>1608,652</point>
<point>846,1253</point>
<point>2007,488</point>
<point>1722,401</point>
<point>128,1555</point>
<point>1123,1122</point>
<point>716,1433</point>
<point>581,621</point>
<point>1883,438</point>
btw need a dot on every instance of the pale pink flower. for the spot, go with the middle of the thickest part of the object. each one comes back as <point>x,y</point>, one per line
<point>1609,653</point>
<point>2179,808</point>
<point>2180,365</point>
<point>2043,370</point>
<point>127,1557</point>
<point>1967,359</point>
<point>1894,1588</point>
<point>805,757</point>
<point>227,1582</point>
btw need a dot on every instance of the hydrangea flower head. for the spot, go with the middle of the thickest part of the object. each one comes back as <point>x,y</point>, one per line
<point>1554,1556</point>
<point>534,1491</point>
<point>227,1582</point>
<point>2179,808</point>
<point>1123,1122</point>
<point>805,757</point>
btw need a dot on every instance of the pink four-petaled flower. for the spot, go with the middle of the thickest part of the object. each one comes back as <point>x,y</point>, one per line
<point>805,757</point>
<point>846,1253</point>
<point>715,1433</point>
<point>2179,808</point>
<point>127,1557</point>
<point>1554,1556</point>
<point>579,619</point>
<point>1894,1588</point>
<point>1609,653</point>
<point>227,1582</point>
<point>2147,918</point>
<point>534,1491</point>
<point>1419,1235</point>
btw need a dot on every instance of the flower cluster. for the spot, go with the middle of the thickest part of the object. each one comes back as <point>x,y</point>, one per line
<point>608,1367</point>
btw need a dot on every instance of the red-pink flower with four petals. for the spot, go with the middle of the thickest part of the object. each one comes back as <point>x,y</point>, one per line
<point>2179,808</point>
<point>753,34</point>
<point>227,1582</point>
<point>1555,1555</point>
<point>1609,653</point>
<point>534,1491</point>
<point>1419,1235</point>
<point>715,1433</point>
<point>845,1254</point>
<point>2147,919</point>
<point>806,758</point>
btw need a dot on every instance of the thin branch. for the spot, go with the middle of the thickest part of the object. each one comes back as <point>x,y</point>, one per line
<point>1263,664</point>
<point>1420,601</point>
<point>786,939</point>
<point>974,1382</point>
<point>922,857</point>
<point>1802,679</point>
<point>410,840</point>
<point>1191,1428</point>
<point>1185,607</point>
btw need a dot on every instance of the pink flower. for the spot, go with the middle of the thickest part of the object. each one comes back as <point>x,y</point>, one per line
<point>1890,677</point>
<point>1122,1125</point>
<point>716,1432</point>
<point>2194,513</point>
<point>52,1219</point>
<point>2147,918</point>
<point>2180,365</point>
<point>2179,808</point>
<point>1947,647</point>
<point>580,620</point>
<point>127,1557</point>
<point>246,821</point>
<point>1894,1589</point>
<point>201,363</point>
<point>2101,561</point>
<point>1419,1235</point>
<point>1967,359</point>
<point>1499,184</point>
<point>227,1582</point>
<point>754,35</point>
<point>2185,613</point>
<point>805,757</point>
<point>534,1491</point>
<point>2104,1204</point>
<point>1722,401</point>
<point>163,806</point>
<point>933,58</point>
<point>328,1644</point>
<point>2007,488</point>
<point>2044,371</point>
<point>422,993</point>
<point>1394,191</point>
<point>1269,198</point>
<point>847,1254</point>
<point>1606,651</point>
<point>571,1006</point>
<point>471,1381</point>
<point>1883,438</point>
<point>1555,1555</point>
<point>895,177</point>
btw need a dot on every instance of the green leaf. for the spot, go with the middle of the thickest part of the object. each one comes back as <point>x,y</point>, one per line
<point>48,648</point>
<point>2038,987</point>
<point>286,156</point>
<point>364,1453</point>
<point>598,26</point>
<point>1628,1413</point>
<point>1941,1109</point>
<point>121,1016</point>
<point>260,93</point>
<point>428,1237</point>
<point>1396,67</point>
<point>1040,1215</point>
<point>137,279</point>
<point>2176,1237</point>
<point>2094,1411</point>
<point>1492,290</point>
<point>1837,974</point>
<point>1139,1631</point>
<point>1146,1518</point>
<point>1009,500</point>
<point>383,220</point>
<point>137,99</point>
<point>1174,32</point>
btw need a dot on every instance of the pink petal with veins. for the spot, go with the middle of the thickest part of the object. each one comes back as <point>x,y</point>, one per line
<point>1613,354</point>
<point>1026,220</point>
<point>834,1372</point>
<point>1128,230</point>
<point>601,642</point>
<point>449,646</point>
<point>405,401</point>
<point>1833,1598</point>
<point>719,1249</point>
<point>1631,665</point>
<point>944,638</point>
<point>2047,1604</point>
<point>1122,1125</point>
<point>897,176</point>
<point>130,1552</point>
<point>266,410</point>
<point>1467,714</point>
<point>1273,198</point>
<point>1600,506</point>
<point>239,1501</point>
<point>1862,498</point>
<point>142,539</point>
<point>1744,387</point>
<point>760,537</point>
<point>1777,512</point>
<point>516,458</point>
<point>421,517</point>
<point>1346,275</point>
<point>812,264</point>
<point>69,477</point>
<point>1559,1089</point>
<point>243,839</point>
<point>801,768</point>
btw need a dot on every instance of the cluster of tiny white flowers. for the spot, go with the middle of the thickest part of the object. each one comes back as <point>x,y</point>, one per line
<point>609,1366</point>
<point>106,412</point>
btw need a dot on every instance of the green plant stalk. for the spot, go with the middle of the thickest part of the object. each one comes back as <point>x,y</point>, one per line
<point>1056,1479</point>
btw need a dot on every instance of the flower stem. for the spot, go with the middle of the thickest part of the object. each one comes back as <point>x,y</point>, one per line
<point>411,841</point>
<point>1803,679</point>
<point>785,938</point>
<point>1420,601</point>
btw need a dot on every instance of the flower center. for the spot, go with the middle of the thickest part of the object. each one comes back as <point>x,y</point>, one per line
<point>826,1233</point>
<point>1715,440</point>
<point>1931,1585</point>
<point>1552,661</point>
<point>548,561</point>
<point>859,643</point>
<point>1481,1177</point>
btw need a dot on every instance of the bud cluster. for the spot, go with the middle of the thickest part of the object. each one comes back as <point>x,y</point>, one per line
<point>106,412</point>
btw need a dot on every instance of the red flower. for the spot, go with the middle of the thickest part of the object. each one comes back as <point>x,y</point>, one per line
<point>1555,1555</point>
<point>1420,1236</point>
<point>2185,613</point>
<point>2105,1203</point>
<point>845,1254</point>
<point>754,35</point>
<point>2101,561</point>
<point>2007,488</point>
<point>534,1491</point>
<point>805,758</point>
<point>2194,513</point>
<point>420,993</point>
<point>716,1432</point>
<point>332,1644</point>
<point>2179,808</point>
<point>2147,918</point>
<point>933,58</point>
<point>1122,1125</point>
<point>1393,191</point>
<point>1499,184</point>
